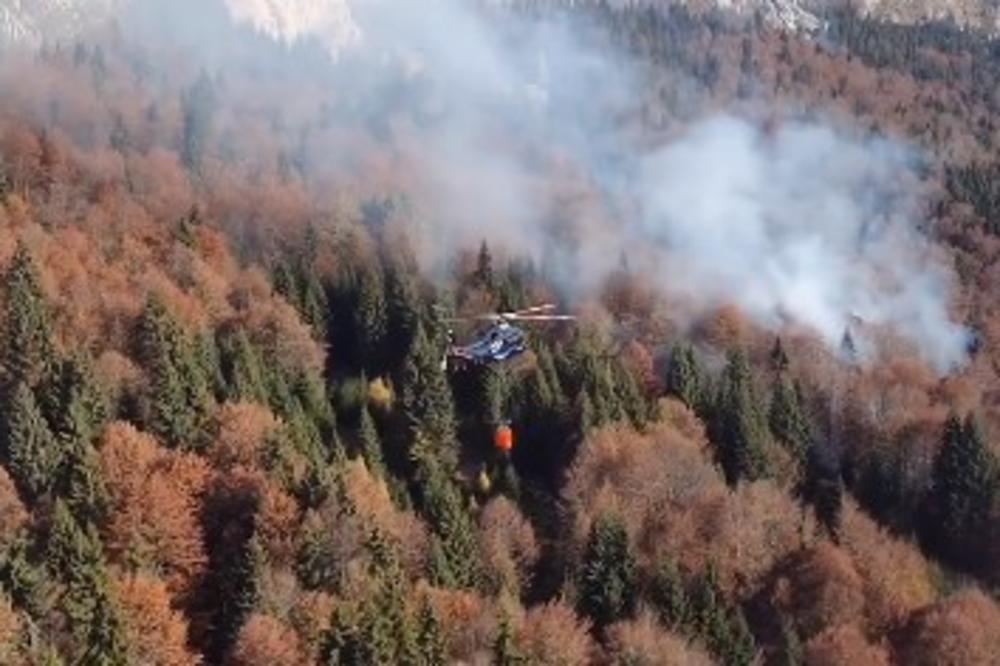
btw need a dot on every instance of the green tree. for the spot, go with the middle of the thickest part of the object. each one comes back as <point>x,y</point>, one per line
<point>505,649</point>
<point>483,276</point>
<point>963,486</point>
<point>370,443</point>
<point>74,555</point>
<point>34,455</point>
<point>431,647</point>
<point>427,399</point>
<point>28,349</point>
<point>180,398</point>
<point>684,376</point>
<point>607,576</point>
<point>457,561</point>
<point>787,420</point>
<point>738,429</point>
<point>243,369</point>
<point>823,486</point>
<point>371,320</point>
<point>669,596</point>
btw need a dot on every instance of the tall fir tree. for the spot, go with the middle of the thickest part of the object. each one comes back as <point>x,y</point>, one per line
<point>684,376</point>
<point>505,649</point>
<point>737,426</point>
<point>371,320</point>
<point>33,453</point>
<point>431,647</point>
<point>963,488</point>
<point>243,368</point>
<point>370,443</point>
<point>669,596</point>
<point>608,575</point>
<point>426,395</point>
<point>787,419</point>
<point>28,348</point>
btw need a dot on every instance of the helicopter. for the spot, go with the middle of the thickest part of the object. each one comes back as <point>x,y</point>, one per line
<point>503,340</point>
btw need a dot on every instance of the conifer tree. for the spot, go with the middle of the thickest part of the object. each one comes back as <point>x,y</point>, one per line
<point>684,376</point>
<point>737,427</point>
<point>483,276</point>
<point>426,395</point>
<point>371,322</point>
<point>370,444</point>
<point>74,554</point>
<point>431,648</point>
<point>243,369</point>
<point>403,312</point>
<point>607,576</point>
<point>244,589</point>
<point>669,596</point>
<point>964,479</point>
<point>505,649</point>
<point>442,503</point>
<point>711,620</point>
<point>787,420</point>
<point>823,487</point>
<point>180,395</point>
<point>33,453</point>
<point>27,341</point>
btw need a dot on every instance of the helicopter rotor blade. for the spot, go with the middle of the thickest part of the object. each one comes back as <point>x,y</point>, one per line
<point>537,309</point>
<point>542,318</point>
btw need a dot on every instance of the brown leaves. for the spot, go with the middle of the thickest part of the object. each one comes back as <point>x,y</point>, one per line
<point>644,642</point>
<point>154,507</point>
<point>156,631</point>
<point>265,640</point>
<point>507,545</point>
<point>962,630</point>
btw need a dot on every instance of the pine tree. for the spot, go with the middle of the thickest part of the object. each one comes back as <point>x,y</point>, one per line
<point>431,648</point>
<point>505,649</point>
<point>426,395</point>
<point>964,480</point>
<point>371,322</point>
<point>198,109</point>
<point>669,596</point>
<point>27,341</point>
<point>442,504</point>
<point>483,276</point>
<point>180,395</point>
<point>403,311</point>
<point>74,554</point>
<point>341,644</point>
<point>239,592</point>
<point>33,453</point>
<point>711,621</point>
<point>243,369</point>
<point>737,428</point>
<point>742,648</point>
<point>607,576</point>
<point>779,359</point>
<point>370,444</point>
<point>823,487</point>
<point>787,421</point>
<point>684,376</point>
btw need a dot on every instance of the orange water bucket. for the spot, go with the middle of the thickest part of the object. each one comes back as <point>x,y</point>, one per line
<point>503,439</point>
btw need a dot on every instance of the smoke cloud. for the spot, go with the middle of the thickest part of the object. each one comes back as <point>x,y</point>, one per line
<point>523,130</point>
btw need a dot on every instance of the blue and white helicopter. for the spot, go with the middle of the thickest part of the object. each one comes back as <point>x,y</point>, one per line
<point>503,340</point>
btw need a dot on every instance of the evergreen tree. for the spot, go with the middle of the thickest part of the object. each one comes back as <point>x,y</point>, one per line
<point>243,368</point>
<point>669,596</point>
<point>442,504</point>
<point>823,487</point>
<point>607,576</point>
<point>964,479</point>
<point>737,428</point>
<point>239,593</point>
<point>431,648</point>
<point>505,649</point>
<point>371,322</point>
<point>711,621</point>
<point>341,644</point>
<point>483,276</point>
<point>426,395</point>
<point>370,444</point>
<point>787,421</point>
<point>180,395</point>
<point>403,311</point>
<point>27,341</point>
<point>684,376</point>
<point>74,554</point>
<point>742,648</point>
<point>779,359</point>
<point>33,453</point>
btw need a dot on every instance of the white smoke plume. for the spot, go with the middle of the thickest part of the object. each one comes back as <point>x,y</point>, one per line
<point>522,131</point>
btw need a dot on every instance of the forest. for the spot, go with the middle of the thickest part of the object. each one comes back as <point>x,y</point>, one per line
<point>227,436</point>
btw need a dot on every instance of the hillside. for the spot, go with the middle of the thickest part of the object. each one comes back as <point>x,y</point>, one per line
<point>238,278</point>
